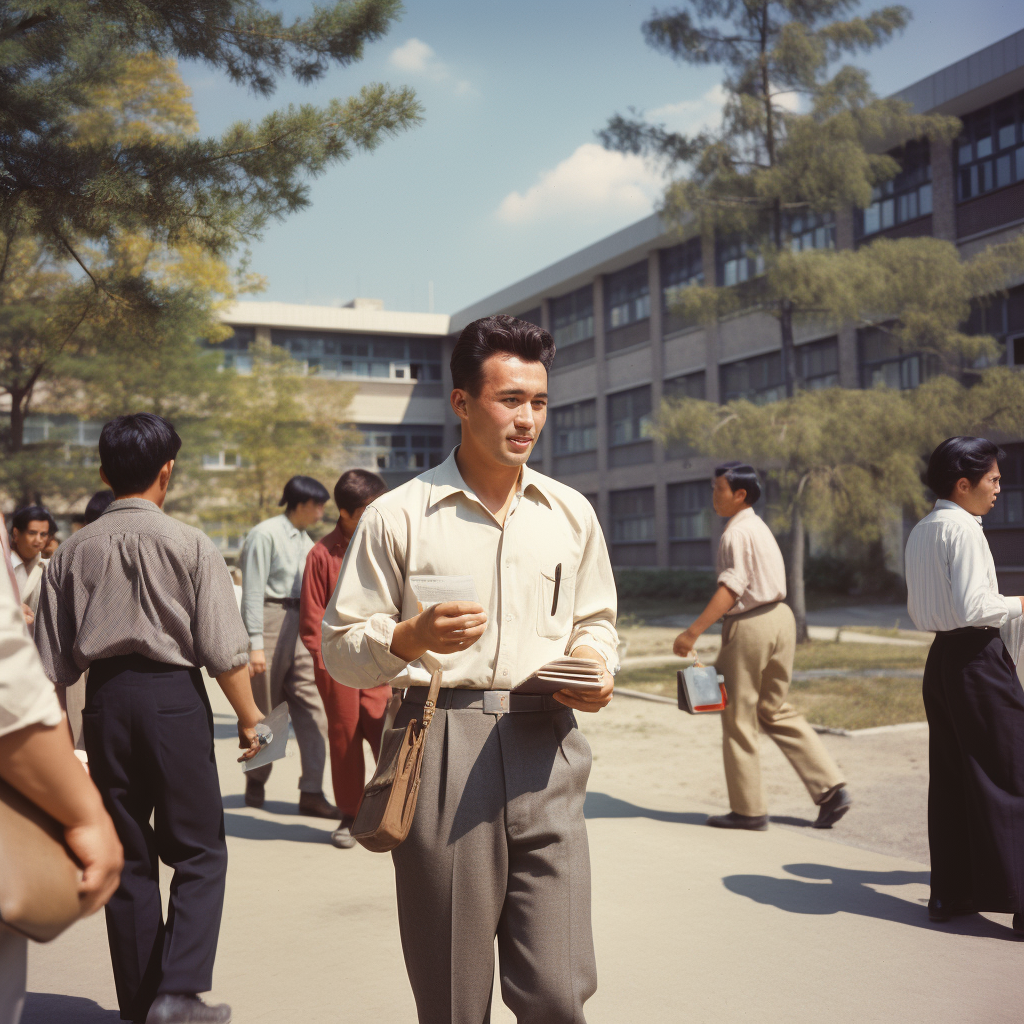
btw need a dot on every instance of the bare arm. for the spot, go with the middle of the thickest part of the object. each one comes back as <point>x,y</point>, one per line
<point>238,690</point>
<point>39,762</point>
<point>719,604</point>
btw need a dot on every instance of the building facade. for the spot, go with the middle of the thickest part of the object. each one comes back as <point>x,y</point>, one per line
<point>621,351</point>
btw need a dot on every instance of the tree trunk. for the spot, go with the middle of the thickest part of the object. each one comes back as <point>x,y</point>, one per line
<point>797,595</point>
<point>789,375</point>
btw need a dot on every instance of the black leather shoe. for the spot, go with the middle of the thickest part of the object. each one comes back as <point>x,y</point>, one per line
<point>171,1008</point>
<point>255,794</point>
<point>1018,925</point>
<point>832,809</point>
<point>316,805</point>
<point>940,910</point>
<point>755,823</point>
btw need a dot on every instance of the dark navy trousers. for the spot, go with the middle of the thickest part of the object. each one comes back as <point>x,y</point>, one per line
<point>149,735</point>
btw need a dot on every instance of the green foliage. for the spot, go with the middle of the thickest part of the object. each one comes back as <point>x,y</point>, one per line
<point>681,585</point>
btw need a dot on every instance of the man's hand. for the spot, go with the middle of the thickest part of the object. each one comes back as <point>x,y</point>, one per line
<point>442,628</point>
<point>248,741</point>
<point>588,700</point>
<point>257,663</point>
<point>97,847</point>
<point>684,644</point>
<point>27,612</point>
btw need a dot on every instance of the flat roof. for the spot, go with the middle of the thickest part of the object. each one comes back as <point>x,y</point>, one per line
<point>973,82</point>
<point>333,318</point>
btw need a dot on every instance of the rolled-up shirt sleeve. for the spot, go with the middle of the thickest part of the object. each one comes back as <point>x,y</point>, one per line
<point>974,601</point>
<point>734,562</point>
<point>219,639</point>
<point>595,602</point>
<point>361,615</point>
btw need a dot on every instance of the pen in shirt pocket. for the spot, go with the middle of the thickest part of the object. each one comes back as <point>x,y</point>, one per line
<point>558,584</point>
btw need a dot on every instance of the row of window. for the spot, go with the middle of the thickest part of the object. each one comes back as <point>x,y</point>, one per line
<point>689,508</point>
<point>341,355</point>
<point>990,151</point>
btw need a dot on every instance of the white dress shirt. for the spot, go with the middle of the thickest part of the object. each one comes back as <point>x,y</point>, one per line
<point>435,525</point>
<point>951,576</point>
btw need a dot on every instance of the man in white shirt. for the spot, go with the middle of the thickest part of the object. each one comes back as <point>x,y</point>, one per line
<point>498,845</point>
<point>758,645</point>
<point>972,696</point>
<point>31,528</point>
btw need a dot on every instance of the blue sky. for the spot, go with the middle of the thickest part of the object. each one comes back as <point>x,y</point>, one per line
<point>505,174</point>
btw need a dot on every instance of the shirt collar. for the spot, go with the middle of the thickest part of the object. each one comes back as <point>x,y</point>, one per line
<point>945,503</point>
<point>447,480</point>
<point>138,504</point>
<point>289,527</point>
<point>16,559</point>
<point>744,513</point>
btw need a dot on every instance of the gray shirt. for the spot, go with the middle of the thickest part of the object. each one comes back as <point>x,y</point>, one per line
<point>272,562</point>
<point>138,582</point>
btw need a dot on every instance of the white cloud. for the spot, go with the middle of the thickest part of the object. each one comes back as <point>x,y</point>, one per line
<point>418,58</point>
<point>690,116</point>
<point>591,181</point>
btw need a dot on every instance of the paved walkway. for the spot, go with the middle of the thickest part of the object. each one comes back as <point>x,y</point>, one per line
<point>691,923</point>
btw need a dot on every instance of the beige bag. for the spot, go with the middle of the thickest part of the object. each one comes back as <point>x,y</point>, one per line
<point>389,801</point>
<point>38,874</point>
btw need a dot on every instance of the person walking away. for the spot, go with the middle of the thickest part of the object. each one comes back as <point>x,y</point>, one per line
<point>273,558</point>
<point>31,528</point>
<point>142,601</point>
<point>972,696</point>
<point>352,714</point>
<point>758,645</point>
<point>498,845</point>
<point>36,759</point>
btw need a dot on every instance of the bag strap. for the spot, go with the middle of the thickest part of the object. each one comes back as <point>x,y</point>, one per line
<point>430,703</point>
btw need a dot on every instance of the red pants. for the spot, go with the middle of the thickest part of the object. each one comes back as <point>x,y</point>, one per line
<point>352,716</point>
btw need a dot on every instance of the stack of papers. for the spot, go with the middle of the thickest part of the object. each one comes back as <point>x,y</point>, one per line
<point>564,674</point>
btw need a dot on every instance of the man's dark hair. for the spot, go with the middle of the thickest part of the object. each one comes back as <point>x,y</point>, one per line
<point>303,488</point>
<point>740,476</point>
<point>134,448</point>
<point>959,457</point>
<point>503,333</point>
<point>97,506</point>
<point>356,488</point>
<point>33,514</point>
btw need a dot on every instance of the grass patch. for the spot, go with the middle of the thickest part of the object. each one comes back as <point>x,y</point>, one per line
<point>854,656</point>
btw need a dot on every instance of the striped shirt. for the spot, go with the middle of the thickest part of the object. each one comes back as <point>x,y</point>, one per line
<point>138,582</point>
<point>951,576</point>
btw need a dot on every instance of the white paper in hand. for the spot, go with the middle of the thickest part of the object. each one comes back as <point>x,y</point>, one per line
<point>431,590</point>
<point>277,723</point>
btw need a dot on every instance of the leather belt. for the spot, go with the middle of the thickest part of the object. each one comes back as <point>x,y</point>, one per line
<point>452,699</point>
<point>289,603</point>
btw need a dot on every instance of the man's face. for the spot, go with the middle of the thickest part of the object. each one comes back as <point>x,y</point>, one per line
<point>307,513</point>
<point>30,541</point>
<point>725,501</point>
<point>505,419</point>
<point>979,499</point>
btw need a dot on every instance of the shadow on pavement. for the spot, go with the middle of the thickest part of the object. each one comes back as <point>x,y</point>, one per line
<point>242,826</point>
<point>49,1007</point>
<point>782,819</point>
<point>850,892</point>
<point>285,807</point>
<point>601,805</point>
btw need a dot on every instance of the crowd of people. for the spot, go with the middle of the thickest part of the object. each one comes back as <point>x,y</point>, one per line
<point>103,639</point>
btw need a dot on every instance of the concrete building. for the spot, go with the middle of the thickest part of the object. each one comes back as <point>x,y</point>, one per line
<point>620,351</point>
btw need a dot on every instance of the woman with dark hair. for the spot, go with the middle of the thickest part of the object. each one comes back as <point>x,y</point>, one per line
<point>972,696</point>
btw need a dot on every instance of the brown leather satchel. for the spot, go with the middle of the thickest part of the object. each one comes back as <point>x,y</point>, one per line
<point>389,800</point>
<point>38,875</point>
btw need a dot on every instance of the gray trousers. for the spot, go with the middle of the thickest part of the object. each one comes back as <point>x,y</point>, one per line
<point>289,677</point>
<point>498,847</point>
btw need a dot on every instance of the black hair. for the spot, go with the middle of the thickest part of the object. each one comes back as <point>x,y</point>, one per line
<point>503,333</point>
<point>303,488</point>
<point>32,514</point>
<point>959,457</point>
<point>134,448</point>
<point>97,506</point>
<point>740,476</point>
<point>356,488</point>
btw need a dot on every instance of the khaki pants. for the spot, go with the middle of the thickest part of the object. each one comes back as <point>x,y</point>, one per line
<point>757,662</point>
<point>289,676</point>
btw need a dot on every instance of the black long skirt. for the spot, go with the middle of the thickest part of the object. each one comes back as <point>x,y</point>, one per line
<point>975,708</point>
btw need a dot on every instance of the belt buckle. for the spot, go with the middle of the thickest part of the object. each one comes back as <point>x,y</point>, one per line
<point>496,702</point>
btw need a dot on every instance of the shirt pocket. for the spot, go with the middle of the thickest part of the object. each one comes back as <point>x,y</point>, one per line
<point>553,625</point>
